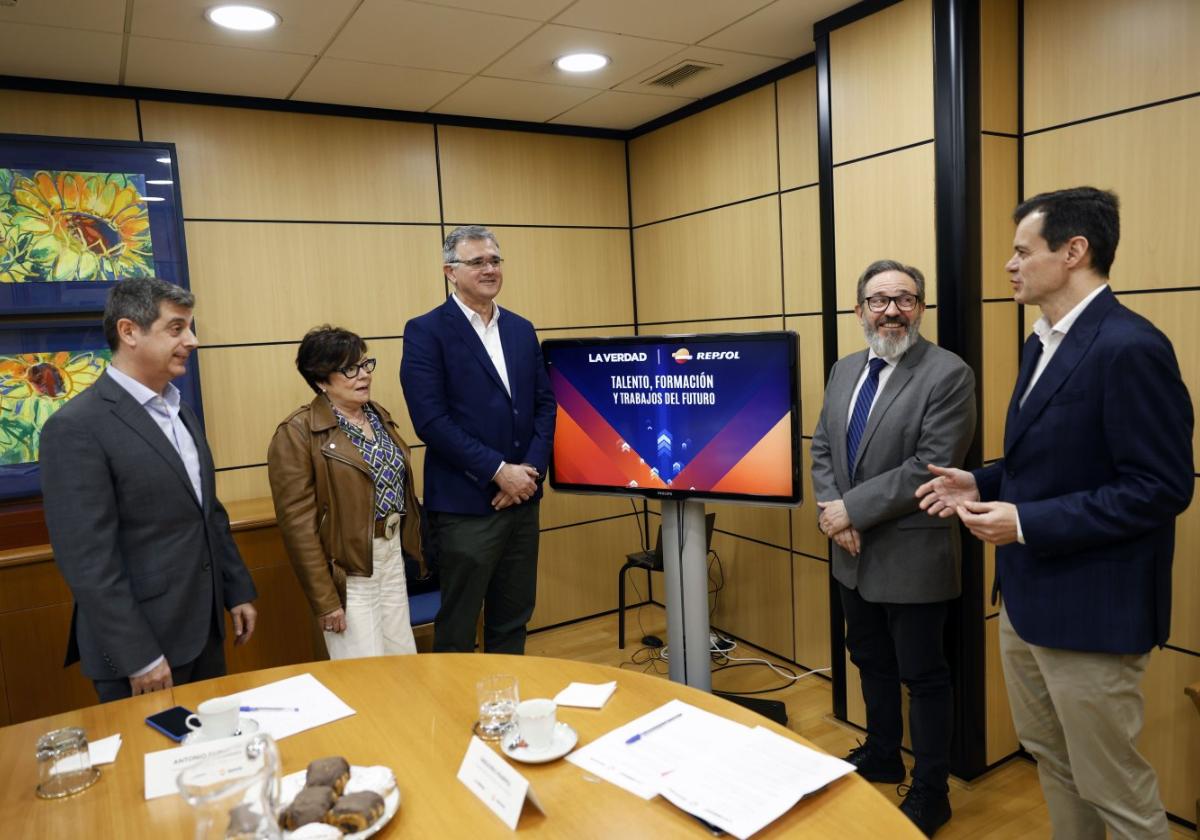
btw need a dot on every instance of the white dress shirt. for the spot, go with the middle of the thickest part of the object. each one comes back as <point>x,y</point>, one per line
<point>164,411</point>
<point>489,334</point>
<point>885,373</point>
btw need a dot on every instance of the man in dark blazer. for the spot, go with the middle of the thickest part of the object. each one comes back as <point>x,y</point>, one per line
<point>479,396</point>
<point>1097,465</point>
<point>889,412</point>
<point>132,511</point>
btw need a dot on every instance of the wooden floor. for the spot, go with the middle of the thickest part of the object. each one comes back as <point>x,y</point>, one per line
<point>1005,803</point>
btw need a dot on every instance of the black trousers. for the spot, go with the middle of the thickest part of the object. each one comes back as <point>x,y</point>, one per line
<point>487,562</point>
<point>902,643</point>
<point>210,663</point>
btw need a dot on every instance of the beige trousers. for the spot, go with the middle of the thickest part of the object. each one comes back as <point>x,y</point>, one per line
<point>1079,715</point>
<point>377,616</point>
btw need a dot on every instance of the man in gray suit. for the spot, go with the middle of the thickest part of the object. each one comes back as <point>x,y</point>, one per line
<point>134,521</point>
<point>889,411</point>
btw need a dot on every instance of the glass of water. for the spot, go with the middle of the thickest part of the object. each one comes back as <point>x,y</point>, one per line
<point>498,700</point>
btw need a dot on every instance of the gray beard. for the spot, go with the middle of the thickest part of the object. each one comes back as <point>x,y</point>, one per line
<point>890,348</point>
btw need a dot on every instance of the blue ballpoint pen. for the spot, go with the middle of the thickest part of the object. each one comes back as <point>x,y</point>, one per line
<point>270,708</point>
<point>633,739</point>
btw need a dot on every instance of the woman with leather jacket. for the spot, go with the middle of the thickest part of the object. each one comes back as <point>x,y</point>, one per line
<point>345,502</point>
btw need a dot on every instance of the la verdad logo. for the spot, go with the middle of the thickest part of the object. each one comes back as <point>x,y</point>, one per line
<point>616,357</point>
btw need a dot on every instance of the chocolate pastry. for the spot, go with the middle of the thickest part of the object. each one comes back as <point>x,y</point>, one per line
<point>310,805</point>
<point>355,811</point>
<point>332,771</point>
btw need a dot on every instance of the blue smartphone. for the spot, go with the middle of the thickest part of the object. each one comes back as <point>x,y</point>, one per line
<point>171,722</point>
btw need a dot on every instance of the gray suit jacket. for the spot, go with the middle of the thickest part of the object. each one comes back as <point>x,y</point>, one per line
<point>925,414</point>
<point>149,566</point>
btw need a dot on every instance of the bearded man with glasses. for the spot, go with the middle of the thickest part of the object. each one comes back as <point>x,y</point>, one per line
<point>478,395</point>
<point>889,411</point>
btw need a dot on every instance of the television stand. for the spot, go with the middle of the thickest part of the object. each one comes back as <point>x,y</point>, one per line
<point>685,566</point>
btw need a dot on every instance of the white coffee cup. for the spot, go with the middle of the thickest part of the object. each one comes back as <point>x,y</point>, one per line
<point>535,722</point>
<point>216,718</point>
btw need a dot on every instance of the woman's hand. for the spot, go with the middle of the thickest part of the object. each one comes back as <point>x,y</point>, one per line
<point>334,622</point>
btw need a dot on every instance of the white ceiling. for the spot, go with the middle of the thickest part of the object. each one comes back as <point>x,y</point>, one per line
<point>482,58</point>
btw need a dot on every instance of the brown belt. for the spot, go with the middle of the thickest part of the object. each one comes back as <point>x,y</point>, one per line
<point>387,527</point>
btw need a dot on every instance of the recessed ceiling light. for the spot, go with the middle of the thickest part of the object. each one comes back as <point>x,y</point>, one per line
<point>581,62</point>
<point>242,18</point>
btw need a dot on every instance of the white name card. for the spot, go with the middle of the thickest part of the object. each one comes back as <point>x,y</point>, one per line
<point>497,785</point>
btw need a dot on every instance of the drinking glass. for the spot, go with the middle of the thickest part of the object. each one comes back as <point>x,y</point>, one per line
<point>498,700</point>
<point>235,791</point>
<point>64,763</point>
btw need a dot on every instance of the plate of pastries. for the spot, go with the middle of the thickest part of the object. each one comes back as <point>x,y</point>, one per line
<point>333,800</point>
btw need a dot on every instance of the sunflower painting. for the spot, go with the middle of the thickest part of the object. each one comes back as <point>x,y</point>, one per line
<point>61,226</point>
<point>35,385</point>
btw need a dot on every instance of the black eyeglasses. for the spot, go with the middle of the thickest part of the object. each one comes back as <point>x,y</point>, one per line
<point>479,262</point>
<point>351,371</point>
<point>880,303</point>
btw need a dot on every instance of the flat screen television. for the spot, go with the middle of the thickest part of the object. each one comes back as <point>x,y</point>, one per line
<point>678,416</point>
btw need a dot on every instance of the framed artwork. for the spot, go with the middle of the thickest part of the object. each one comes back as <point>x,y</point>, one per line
<point>43,366</point>
<point>77,216</point>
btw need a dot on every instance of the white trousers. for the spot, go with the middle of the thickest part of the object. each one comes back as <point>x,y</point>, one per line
<point>377,617</point>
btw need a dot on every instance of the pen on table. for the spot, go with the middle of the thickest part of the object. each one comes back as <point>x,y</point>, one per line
<point>270,708</point>
<point>635,738</point>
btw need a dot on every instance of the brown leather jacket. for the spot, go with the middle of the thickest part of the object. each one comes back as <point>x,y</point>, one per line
<point>324,498</point>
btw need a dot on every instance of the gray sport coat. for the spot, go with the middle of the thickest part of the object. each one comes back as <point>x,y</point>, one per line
<point>925,414</point>
<point>150,567</point>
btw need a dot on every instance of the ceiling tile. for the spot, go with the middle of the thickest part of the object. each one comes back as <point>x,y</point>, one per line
<point>734,68</point>
<point>306,26</point>
<point>507,99</point>
<point>433,37</point>
<point>47,52</point>
<point>177,65</point>
<point>533,58</point>
<point>528,9</point>
<point>783,29</point>
<point>614,109</point>
<point>376,85</point>
<point>686,21</point>
<point>99,15</point>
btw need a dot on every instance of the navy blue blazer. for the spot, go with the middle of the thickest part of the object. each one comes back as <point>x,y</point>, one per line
<point>1099,464</point>
<point>462,412</point>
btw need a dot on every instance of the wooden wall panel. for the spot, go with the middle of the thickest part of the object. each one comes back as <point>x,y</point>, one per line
<point>856,707</point>
<point>797,101</point>
<point>812,369</point>
<point>515,178</point>
<point>243,483</point>
<point>758,522</point>
<point>998,186</point>
<point>558,277</point>
<point>801,251</point>
<point>1176,314</point>
<point>284,634</point>
<point>5,714</point>
<point>1001,734</point>
<point>577,570</point>
<point>1185,585</point>
<point>236,163</point>
<point>30,586</point>
<point>756,603</point>
<point>64,115</point>
<point>881,81</point>
<point>810,591</point>
<point>1147,157</point>
<point>259,282</point>
<point>1001,347</point>
<point>720,264</point>
<point>1172,732</point>
<point>806,536</point>
<point>242,411</point>
<point>883,209</point>
<point>33,643</point>
<point>989,580</point>
<point>726,153</point>
<point>1118,55</point>
<point>998,46</point>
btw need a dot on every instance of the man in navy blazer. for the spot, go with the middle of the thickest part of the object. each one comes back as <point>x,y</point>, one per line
<point>479,396</point>
<point>1097,465</point>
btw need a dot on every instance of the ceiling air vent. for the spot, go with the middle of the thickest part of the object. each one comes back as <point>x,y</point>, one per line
<point>680,73</point>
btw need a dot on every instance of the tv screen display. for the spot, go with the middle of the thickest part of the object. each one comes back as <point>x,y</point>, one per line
<point>676,417</point>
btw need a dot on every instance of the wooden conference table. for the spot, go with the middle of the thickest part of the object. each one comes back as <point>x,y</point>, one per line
<point>414,714</point>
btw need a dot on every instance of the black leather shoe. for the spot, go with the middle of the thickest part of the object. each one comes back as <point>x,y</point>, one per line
<point>875,765</point>
<point>927,807</point>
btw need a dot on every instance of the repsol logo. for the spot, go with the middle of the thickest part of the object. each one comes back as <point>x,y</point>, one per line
<point>616,357</point>
<point>711,355</point>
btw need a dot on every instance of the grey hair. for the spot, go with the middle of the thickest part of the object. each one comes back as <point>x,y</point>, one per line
<point>880,266</point>
<point>138,299</point>
<point>464,232</point>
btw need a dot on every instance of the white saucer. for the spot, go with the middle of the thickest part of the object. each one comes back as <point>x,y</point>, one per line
<point>248,726</point>
<point>565,739</point>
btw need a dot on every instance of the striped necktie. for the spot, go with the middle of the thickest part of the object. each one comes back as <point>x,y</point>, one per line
<point>862,410</point>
